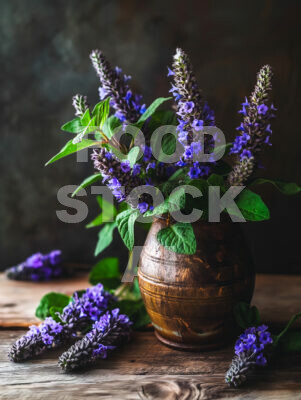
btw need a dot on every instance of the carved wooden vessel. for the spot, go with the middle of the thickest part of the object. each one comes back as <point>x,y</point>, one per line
<point>190,298</point>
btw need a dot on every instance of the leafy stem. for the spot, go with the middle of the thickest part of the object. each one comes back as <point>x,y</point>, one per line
<point>285,330</point>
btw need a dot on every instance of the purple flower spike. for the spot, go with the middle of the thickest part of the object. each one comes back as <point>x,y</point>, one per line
<point>255,130</point>
<point>76,317</point>
<point>38,267</point>
<point>114,85</point>
<point>251,349</point>
<point>110,331</point>
<point>192,110</point>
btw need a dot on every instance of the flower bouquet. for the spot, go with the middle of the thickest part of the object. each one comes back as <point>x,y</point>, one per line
<point>173,167</point>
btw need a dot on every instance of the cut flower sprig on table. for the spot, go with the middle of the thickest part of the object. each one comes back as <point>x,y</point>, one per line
<point>95,320</point>
<point>135,176</point>
<point>256,347</point>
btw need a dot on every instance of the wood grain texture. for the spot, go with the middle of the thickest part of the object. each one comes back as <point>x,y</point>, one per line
<point>277,296</point>
<point>19,300</point>
<point>190,298</point>
<point>145,369</point>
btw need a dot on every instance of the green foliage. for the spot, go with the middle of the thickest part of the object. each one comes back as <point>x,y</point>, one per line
<point>136,311</point>
<point>217,180</point>
<point>151,109</point>
<point>87,182</point>
<point>101,112</point>
<point>86,118</point>
<point>107,215</point>
<point>71,148</point>
<point>79,293</point>
<point>284,187</point>
<point>246,316</point>
<point>178,238</point>
<point>110,126</point>
<point>74,126</point>
<point>55,301</point>
<point>252,206</point>
<point>87,123</point>
<point>88,126</point>
<point>125,223</point>
<point>133,155</point>
<point>161,118</point>
<point>178,178</point>
<point>282,334</point>
<point>105,237</point>
<point>291,343</point>
<point>53,312</point>
<point>106,271</point>
<point>168,145</point>
<point>174,202</point>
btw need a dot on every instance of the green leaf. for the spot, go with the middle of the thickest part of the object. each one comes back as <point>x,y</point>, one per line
<point>106,271</point>
<point>52,299</point>
<point>151,109</point>
<point>178,178</point>
<point>125,223</point>
<point>136,288</point>
<point>71,148</point>
<point>74,126</point>
<point>174,202</point>
<point>110,126</point>
<point>291,343</point>
<point>246,316</point>
<point>87,182</point>
<point>161,118</point>
<point>53,313</point>
<point>284,187</point>
<point>283,333</point>
<point>201,202</point>
<point>90,127</point>
<point>216,180</point>
<point>107,215</point>
<point>79,293</point>
<point>133,155</point>
<point>136,311</point>
<point>224,147</point>
<point>252,207</point>
<point>178,238</point>
<point>168,144</point>
<point>101,112</point>
<point>86,118</point>
<point>105,237</point>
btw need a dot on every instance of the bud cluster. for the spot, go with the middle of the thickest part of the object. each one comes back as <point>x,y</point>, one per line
<point>111,330</point>
<point>193,112</point>
<point>251,349</point>
<point>121,178</point>
<point>115,85</point>
<point>255,130</point>
<point>80,104</point>
<point>38,267</point>
<point>76,317</point>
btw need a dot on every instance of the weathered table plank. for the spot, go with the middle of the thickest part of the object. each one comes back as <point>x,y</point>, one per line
<point>19,300</point>
<point>144,368</point>
<point>278,297</point>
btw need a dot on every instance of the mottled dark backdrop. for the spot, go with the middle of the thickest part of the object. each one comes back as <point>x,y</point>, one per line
<point>44,61</point>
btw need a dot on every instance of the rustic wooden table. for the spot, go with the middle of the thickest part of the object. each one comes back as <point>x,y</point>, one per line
<point>145,369</point>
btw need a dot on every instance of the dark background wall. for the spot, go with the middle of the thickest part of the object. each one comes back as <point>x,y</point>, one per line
<point>44,61</point>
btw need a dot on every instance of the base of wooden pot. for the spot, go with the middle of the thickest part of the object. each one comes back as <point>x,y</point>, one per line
<point>190,298</point>
<point>188,347</point>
